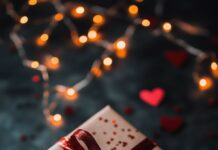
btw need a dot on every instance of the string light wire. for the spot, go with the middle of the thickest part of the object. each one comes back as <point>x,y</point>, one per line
<point>96,69</point>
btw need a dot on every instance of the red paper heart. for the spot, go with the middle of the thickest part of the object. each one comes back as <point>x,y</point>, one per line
<point>153,97</point>
<point>171,124</point>
<point>176,57</point>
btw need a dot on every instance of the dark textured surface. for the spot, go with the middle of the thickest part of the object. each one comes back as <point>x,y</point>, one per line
<point>144,68</point>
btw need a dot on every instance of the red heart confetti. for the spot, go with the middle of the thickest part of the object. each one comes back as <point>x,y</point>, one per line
<point>68,111</point>
<point>36,78</point>
<point>154,97</point>
<point>171,124</point>
<point>176,57</point>
<point>128,110</point>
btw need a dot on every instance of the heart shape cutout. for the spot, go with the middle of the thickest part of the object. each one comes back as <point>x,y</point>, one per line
<point>176,57</point>
<point>154,97</point>
<point>171,124</point>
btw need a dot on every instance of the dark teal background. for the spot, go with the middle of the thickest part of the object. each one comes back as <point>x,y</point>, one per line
<point>144,68</point>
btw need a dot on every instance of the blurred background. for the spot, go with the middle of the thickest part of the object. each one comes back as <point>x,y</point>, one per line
<point>22,124</point>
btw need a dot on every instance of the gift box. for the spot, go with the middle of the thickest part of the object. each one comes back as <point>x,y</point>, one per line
<point>106,130</point>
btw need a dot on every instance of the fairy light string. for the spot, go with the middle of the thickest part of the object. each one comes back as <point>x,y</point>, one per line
<point>105,61</point>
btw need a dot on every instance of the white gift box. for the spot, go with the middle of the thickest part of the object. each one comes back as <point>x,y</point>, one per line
<point>106,130</point>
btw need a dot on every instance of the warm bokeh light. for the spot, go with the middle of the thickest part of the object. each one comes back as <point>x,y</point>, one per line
<point>120,48</point>
<point>44,37</point>
<point>120,44</point>
<point>70,94</point>
<point>98,19</point>
<point>52,63</point>
<point>34,64</point>
<point>96,71</point>
<point>83,39</point>
<point>214,66</point>
<point>24,19</point>
<point>205,83</point>
<point>107,62</point>
<point>139,1</point>
<point>121,53</point>
<point>58,17</point>
<point>78,12</point>
<point>167,27</point>
<point>214,69</point>
<point>146,23</point>
<point>133,10</point>
<point>56,120</point>
<point>93,35</point>
<point>32,2</point>
<point>39,42</point>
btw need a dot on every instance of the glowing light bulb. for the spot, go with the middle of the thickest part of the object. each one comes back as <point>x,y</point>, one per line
<point>70,94</point>
<point>146,23</point>
<point>32,2</point>
<point>120,48</point>
<point>120,44</point>
<point>83,39</point>
<point>44,37</point>
<point>133,10</point>
<point>93,35</point>
<point>24,19</point>
<point>58,17</point>
<point>205,83</point>
<point>80,9</point>
<point>214,69</point>
<point>107,62</point>
<point>78,12</point>
<point>52,63</point>
<point>56,120</point>
<point>167,27</point>
<point>98,19</point>
<point>96,71</point>
<point>214,66</point>
<point>41,40</point>
<point>34,64</point>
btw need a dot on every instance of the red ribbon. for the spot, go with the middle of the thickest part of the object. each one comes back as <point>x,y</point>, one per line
<point>73,144</point>
<point>80,134</point>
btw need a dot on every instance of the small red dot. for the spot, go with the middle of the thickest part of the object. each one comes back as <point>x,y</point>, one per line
<point>36,78</point>
<point>68,111</point>
<point>113,121</point>
<point>128,110</point>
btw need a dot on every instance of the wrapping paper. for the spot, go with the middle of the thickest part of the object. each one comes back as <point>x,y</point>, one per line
<point>106,130</point>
